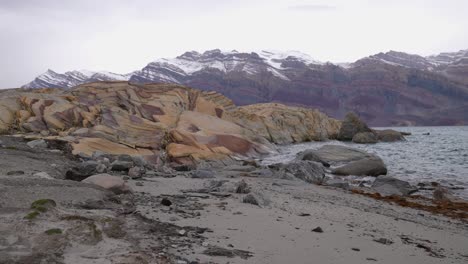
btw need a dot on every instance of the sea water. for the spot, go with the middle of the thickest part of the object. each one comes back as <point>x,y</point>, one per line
<point>440,156</point>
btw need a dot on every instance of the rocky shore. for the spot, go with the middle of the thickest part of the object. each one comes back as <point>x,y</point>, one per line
<point>121,173</point>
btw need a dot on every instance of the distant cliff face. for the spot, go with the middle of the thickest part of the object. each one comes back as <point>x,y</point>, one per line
<point>392,88</point>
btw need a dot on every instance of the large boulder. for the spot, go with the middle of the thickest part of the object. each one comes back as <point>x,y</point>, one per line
<point>338,154</point>
<point>349,161</point>
<point>365,138</point>
<point>350,126</point>
<point>363,167</point>
<point>109,182</point>
<point>386,186</point>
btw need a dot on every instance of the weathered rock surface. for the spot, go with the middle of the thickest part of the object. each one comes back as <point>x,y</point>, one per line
<point>386,185</point>
<point>188,125</point>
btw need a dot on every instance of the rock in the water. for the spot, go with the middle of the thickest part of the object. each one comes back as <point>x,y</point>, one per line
<point>202,174</point>
<point>365,138</point>
<point>363,167</point>
<point>389,135</point>
<point>351,126</point>
<point>386,186</point>
<point>109,182</point>
<point>309,171</point>
<point>37,144</point>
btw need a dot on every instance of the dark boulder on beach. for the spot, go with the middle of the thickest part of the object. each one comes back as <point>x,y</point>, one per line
<point>387,185</point>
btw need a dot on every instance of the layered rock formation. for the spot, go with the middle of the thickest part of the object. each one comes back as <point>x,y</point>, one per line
<point>157,119</point>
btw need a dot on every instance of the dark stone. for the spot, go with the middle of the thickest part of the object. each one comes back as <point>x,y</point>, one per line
<point>250,199</point>
<point>363,167</point>
<point>16,172</point>
<point>120,165</point>
<point>317,230</point>
<point>384,241</point>
<point>386,185</point>
<point>166,202</point>
<point>202,174</point>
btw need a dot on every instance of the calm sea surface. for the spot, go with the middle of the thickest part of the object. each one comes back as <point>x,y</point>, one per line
<point>441,156</point>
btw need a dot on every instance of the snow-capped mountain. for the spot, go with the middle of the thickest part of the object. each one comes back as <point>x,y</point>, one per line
<point>178,69</point>
<point>73,78</point>
<point>392,88</point>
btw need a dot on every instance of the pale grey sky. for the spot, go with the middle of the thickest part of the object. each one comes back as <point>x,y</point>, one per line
<point>122,36</point>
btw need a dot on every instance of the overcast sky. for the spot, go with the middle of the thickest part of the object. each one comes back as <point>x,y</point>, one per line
<point>122,36</point>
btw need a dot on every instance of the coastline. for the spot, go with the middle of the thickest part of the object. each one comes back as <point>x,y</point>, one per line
<point>209,221</point>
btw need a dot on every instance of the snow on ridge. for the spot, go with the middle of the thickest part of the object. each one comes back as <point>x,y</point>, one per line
<point>274,58</point>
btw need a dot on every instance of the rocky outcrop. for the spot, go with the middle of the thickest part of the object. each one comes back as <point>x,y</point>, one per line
<point>351,126</point>
<point>283,124</point>
<point>155,121</point>
<point>354,129</point>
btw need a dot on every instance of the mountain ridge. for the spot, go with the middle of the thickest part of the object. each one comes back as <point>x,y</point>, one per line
<point>392,88</point>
